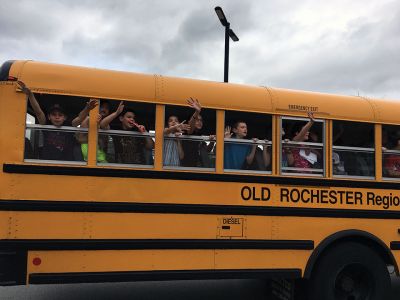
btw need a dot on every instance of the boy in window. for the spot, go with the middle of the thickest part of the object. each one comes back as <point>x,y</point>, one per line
<point>236,155</point>
<point>57,145</point>
<point>128,149</point>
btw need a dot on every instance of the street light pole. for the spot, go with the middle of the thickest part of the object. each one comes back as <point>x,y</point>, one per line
<point>228,34</point>
<point>226,58</point>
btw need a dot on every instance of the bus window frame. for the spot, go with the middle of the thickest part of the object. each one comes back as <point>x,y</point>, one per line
<point>97,131</point>
<point>205,138</point>
<point>359,149</point>
<point>323,150</point>
<point>34,126</point>
<point>247,141</point>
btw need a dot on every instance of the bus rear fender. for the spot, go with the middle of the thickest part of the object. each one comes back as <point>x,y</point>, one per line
<point>352,235</point>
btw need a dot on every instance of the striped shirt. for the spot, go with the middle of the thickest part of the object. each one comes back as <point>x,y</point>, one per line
<point>171,151</point>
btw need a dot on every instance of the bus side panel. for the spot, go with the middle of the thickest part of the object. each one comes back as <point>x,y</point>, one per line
<point>12,123</point>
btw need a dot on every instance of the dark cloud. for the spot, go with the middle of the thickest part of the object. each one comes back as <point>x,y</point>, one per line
<point>361,59</point>
<point>25,20</point>
<point>336,47</point>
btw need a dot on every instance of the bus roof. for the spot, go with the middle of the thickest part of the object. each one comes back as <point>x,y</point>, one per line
<point>91,82</point>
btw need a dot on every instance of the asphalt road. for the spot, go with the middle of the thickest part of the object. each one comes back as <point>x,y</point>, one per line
<point>167,290</point>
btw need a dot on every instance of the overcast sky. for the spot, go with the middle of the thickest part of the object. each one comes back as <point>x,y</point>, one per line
<point>337,46</point>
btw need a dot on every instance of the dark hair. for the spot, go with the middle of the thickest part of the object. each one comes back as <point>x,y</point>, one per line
<point>126,110</point>
<point>57,107</point>
<point>102,102</point>
<point>236,124</point>
<point>166,120</point>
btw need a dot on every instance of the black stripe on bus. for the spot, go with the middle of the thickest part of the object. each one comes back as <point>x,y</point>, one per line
<point>395,245</point>
<point>147,244</point>
<point>151,174</point>
<point>5,70</point>
<point>171,208</point>
<point>93,277</point>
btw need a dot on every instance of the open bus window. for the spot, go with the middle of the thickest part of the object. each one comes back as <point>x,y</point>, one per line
<point>247,142</point>
<point>189,139</point>
<point>49,135</point>
<point>302,146</point>
<point>126,134</point>
<point>353,152</point>
<point>391,151</point>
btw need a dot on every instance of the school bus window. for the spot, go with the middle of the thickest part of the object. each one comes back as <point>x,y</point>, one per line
<point>126,136</point>
<point>29,137</point>
<point>52,133</point>
<point>390,151</point>
<point>302,146</point>
<point>247,142</point>
<point>189,137</point>
<point>353,152</point>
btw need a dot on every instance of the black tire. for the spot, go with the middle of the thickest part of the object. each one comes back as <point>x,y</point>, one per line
<point>350,271</point>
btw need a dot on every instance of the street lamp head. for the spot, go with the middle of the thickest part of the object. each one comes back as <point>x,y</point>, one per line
<point>233,36</point>
<point>221,16</point>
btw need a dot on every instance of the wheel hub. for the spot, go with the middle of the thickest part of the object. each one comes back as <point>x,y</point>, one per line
<point>353,282</point>
<point>347,284</point>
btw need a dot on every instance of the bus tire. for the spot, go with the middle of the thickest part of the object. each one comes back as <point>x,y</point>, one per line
<point>350,271</point>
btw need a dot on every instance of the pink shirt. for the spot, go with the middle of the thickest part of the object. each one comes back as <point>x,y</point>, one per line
<point>299,161</point>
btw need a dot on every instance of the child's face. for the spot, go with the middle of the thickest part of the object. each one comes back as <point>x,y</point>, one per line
<point>313,137</point>
<point>198,124</point>
<point>127,120</point>
<point>57,118</point>
<point>240,130</point>
<point>104,110</point>
<point>172,121</point>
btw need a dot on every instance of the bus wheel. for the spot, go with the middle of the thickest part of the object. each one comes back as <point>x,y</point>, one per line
<point>350,271</point>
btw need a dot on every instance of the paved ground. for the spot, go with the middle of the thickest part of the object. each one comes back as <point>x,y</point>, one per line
<point>194,290</point>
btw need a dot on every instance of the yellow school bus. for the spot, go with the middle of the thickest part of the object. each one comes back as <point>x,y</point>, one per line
<point>308,197</point>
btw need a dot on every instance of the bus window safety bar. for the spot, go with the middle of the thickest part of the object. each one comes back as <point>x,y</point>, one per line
<point>55,128</point>
<point>390,152</point>
<point>359,149</point>
<point>245,141</point>
<point>303,170</point>
<point>302,143</point>
<point>205,138</point>
<point>125,132</point>
<point>58,162</point>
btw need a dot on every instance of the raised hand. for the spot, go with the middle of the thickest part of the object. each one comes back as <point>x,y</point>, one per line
<point>120,108</point>
<point>92,103</point>
<point>141,128</point>
<point>228,132</point>
<point>311,116</point>
<point>23,87</point>
<point>183,127</point>
<point>194,103</point>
